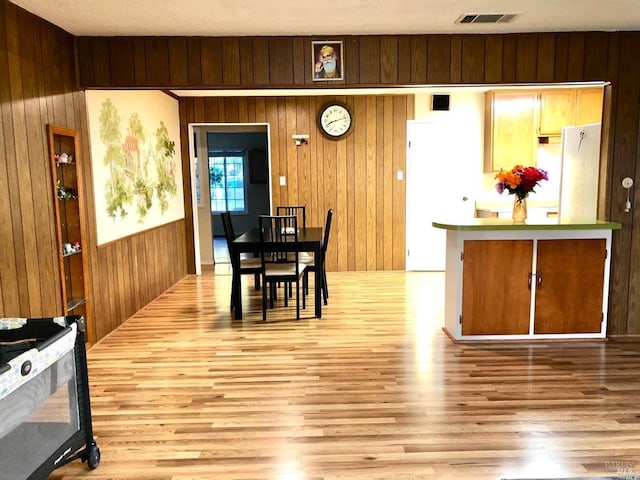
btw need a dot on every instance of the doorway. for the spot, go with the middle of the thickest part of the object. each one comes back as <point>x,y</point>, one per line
<point>230,166</point>
<point>435,190</point>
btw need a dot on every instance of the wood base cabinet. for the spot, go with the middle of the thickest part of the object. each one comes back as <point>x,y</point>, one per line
<point>66,175</point>
<point>527,284</point>
<point>569,286</point>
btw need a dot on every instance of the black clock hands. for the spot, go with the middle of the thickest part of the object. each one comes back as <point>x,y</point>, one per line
<point>337,120</point>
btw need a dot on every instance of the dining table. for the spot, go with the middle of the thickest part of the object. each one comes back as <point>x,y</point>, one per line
<point>309,240</point>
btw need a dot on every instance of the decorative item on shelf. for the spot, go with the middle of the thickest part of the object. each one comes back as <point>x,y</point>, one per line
<point>63,158</point>
<point>520,181</point>
<point>65,193</point>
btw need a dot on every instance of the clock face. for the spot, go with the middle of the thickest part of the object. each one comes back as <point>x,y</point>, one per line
<point>335,120</point>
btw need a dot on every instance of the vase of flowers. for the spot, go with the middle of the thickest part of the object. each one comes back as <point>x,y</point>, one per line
<point>520,181</point>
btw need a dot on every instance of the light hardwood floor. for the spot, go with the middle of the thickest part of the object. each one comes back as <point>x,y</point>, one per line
<point>373,390</point>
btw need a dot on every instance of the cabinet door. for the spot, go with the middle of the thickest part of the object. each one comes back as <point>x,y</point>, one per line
<point>496,298</point>
<point>589,106</point>
<point>557,110</point>
<point>510,135</point>
<point>570,276</point>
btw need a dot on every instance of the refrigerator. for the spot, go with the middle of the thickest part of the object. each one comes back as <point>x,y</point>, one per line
<point>579,173</point>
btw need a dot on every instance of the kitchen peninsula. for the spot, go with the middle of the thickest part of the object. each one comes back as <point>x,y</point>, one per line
<point>544,279</point>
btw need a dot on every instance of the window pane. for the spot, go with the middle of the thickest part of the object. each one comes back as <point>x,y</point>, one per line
<point>226,174</point>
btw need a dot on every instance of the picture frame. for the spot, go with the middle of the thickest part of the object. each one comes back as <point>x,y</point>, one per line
<point>327,60</point>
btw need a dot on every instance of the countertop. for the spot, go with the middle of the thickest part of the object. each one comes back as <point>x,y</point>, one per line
<point>479,224</point>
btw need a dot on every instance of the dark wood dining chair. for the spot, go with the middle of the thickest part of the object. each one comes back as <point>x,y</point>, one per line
<point>298,210</point>
<point>239,266</point>
<point>312,265</point>
<point>300,213</point>
<point>279,266</point>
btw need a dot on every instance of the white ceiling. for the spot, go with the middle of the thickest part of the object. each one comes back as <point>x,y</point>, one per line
<point>343,17</point>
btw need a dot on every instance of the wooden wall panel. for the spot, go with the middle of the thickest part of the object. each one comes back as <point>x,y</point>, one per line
<point>419,59</point>
<point>389,60</point>
<point>596,64</point>
<point>38,87</point>
<point>179,72</point>
<point>211,56</point>
<point>472,68</point>
<point>194,66</point>
<point>575,66</point>
<point>354,176</point>
<point>526,57</point>
<point>509,51</point>
<point>546,58</point>
<point>562,58</point>
<point>136,270</point>
<point>439,60</point>
<point>493,58</point>
<point>220,62</point>
<point>352,59</point>
<point>625,272</point>
<point>121,57</point>
<point>156,55</point>
<point>140,64</point>
<point>405,64</point>
<point>370,60</point>
<point>455,62</point>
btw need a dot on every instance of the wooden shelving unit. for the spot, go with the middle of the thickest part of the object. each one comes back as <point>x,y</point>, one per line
<point>66,175</point>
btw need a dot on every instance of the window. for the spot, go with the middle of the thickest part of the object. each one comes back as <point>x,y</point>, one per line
<point>226,180</point>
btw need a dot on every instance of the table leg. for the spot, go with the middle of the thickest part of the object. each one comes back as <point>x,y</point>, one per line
<point>318,282</point>
<point>236,289</point>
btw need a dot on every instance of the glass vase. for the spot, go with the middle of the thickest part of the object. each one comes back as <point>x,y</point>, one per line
<point>519,209</point>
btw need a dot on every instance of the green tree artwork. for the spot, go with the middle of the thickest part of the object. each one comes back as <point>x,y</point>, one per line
<point>130,182</point>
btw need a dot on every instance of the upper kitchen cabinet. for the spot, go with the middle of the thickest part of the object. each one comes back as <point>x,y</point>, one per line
<point>557,110</point>
<point>516,119</point>
<point>589,105</point>
<point>510,129</point>
<point>569,106</point>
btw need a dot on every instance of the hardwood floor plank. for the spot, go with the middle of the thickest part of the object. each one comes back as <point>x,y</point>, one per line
<point>373,390</point>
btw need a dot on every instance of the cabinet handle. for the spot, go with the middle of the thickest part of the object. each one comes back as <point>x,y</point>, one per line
<point>529,281</point>
<point>539,280</point>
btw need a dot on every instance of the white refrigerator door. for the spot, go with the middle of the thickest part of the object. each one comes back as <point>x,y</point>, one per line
<point>580,171</point>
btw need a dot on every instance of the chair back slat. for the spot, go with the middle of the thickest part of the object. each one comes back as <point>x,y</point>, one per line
<point>327,228</point>
<point>278,228</point>
<point>299,211</point>
<point>229,234</point>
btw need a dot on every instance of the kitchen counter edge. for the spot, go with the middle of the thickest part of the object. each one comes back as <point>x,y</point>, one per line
<point>508,224</point>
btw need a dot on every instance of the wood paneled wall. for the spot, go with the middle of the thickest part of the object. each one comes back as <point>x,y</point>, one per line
<point>355,176</point>
<point>38,86</point>
<point>250,62</point>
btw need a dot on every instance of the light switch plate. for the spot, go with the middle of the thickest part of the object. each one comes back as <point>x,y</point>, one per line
<point>283,181</point>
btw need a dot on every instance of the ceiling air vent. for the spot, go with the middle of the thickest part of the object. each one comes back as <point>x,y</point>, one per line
<point>487,17</point>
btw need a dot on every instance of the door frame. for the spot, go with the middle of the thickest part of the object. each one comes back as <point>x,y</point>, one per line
<point>218,128</point>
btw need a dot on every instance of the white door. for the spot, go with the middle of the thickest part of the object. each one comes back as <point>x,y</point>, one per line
<point>426,192</point>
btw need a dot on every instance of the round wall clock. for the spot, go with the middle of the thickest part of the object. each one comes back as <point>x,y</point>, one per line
<point>335,120</point>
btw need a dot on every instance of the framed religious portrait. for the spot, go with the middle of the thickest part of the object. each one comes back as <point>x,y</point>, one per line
<point>328,61</point>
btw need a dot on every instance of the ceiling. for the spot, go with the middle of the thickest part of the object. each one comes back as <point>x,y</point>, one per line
<point>344,17</point>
